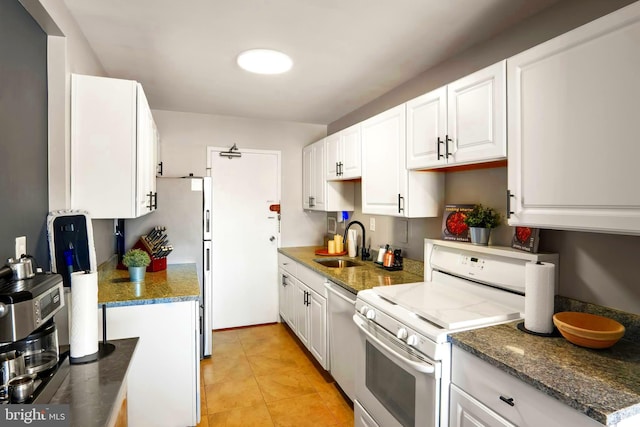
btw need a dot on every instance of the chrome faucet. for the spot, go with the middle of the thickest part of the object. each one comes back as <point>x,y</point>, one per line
<point>364,253</point>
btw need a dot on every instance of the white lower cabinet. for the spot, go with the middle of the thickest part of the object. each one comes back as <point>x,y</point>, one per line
<point>286,297</point>
<point>483,395</point>
<point>465,411</point>
<point>164,376</point>
<point>303,306</point>
<point>317,312</point>
<point>301,312</point>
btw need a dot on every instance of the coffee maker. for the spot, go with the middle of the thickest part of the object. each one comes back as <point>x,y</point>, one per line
<point>29,352</point>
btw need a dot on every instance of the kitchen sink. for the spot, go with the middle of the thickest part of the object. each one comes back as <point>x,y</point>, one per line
<point>337,263</point>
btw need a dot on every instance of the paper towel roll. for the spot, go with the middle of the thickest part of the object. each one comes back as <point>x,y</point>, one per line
<point>83,338</point>
<point>352,246</point>
<point>539,282</point>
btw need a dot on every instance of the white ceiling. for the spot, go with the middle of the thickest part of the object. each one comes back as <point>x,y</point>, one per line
<point>346,52</point>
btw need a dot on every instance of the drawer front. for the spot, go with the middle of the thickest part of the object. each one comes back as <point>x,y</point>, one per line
<point>287,264</point>
<point>312,279</point>
<point>510,397</point>
<point>468,412</point>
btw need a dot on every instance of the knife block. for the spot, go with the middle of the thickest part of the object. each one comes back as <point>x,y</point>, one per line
<point>157,264</point>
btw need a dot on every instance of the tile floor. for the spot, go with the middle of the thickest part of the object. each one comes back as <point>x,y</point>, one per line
<point>259,376</point>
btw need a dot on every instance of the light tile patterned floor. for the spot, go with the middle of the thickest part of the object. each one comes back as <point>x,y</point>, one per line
<point>259,376</point>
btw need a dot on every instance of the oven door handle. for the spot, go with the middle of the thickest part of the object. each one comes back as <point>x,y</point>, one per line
<point>420,367</point>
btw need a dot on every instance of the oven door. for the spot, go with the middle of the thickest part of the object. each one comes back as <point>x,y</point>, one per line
<point>394,385</point>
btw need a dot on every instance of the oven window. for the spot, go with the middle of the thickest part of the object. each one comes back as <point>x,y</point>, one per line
<point>394,387</point>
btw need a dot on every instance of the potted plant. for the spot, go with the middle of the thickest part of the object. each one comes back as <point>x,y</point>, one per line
<point>137,261</point>
<point>480,221</point>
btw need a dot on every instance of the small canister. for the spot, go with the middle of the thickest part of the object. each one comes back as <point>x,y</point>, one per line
<point>388,259</point>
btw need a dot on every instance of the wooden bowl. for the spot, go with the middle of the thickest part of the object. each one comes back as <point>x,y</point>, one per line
<point>588,330</point>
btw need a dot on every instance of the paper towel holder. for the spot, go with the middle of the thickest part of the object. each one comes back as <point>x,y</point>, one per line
<point>104,348</point>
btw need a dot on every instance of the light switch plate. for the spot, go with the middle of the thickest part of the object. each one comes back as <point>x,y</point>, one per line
<point>21,246</point>
<point>372,224</point>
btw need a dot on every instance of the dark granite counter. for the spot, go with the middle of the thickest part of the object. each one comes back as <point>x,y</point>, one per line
<point>179,282</point>
<point>602,384</point>
<point>94,391</point>
<point>358,278</point>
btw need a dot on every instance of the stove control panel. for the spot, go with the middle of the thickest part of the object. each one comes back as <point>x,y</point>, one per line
<point>396,329</point>
<point>496,270</point>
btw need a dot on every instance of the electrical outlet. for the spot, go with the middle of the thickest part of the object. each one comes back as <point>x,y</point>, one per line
<point>372,224</point>
<point>21,246</point>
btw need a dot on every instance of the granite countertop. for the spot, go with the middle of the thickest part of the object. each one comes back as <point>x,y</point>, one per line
<point>602,384</point>
<point>179,282</point>
<point>358,278</point>
<point>93,390</point>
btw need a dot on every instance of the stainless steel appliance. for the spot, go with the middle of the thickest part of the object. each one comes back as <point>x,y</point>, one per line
<point>403,367</point>
<point>184,209</point>
<point>342,334</point>
<point>28,335</point>
<point>27,304</point>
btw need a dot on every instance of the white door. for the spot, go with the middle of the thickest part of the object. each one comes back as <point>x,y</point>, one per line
<point>307,176</point>
<point>318,326</point>
<point>332,147</point>
<point>477,117</point>
<point>384,175</point>
<point>426,130</point>
<point>245,237</point>
<point>351,153</point>
<point>573,128</point>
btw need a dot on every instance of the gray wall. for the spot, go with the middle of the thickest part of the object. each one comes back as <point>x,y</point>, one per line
<point>23,132</point>
<point>596,268</point>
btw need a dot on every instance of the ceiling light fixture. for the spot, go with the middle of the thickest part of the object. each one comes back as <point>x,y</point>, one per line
<point>265,61</point>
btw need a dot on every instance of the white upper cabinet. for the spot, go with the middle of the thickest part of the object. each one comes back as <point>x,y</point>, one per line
<point>388,188</point>
<point>343,154</point>
<point>573,128</point>
<point>461,123</point>
<point>113,148</point>
<point>318,194</point>
<point>426,130</point>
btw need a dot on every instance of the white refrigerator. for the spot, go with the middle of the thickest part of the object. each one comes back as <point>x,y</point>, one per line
<point>184,208</point>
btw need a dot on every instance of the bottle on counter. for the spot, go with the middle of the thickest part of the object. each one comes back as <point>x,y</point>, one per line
<point>388,259</point>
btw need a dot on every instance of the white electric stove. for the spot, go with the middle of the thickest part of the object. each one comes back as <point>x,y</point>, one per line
<point>404,357</point>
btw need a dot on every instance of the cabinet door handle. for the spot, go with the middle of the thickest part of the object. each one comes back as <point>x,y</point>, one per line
<point>337,169</point>
<point>446,145</point>
<point>341,171</point>
<point>400,203</point>
<point>208,259</point>
<point>284,279</point>
<point>508,400</point>
<point>440,156</point>
<point>160,169</point>
<point>312,202</point>
<point>509,211</point>
<point>152,205</point>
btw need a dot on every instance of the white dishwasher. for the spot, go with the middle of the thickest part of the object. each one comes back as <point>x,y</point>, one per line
<point>343,334</point>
